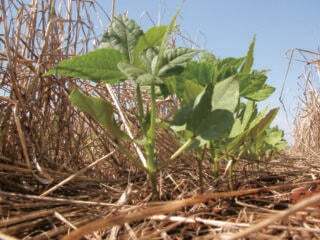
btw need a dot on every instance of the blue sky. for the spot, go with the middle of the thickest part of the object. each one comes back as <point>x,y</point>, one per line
<point>226,27</point>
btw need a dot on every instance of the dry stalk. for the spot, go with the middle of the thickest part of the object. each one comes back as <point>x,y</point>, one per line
<point>68,179</point>
<point>276,217</point>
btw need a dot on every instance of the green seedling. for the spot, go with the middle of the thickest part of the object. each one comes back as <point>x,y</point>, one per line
<point>128,53</point>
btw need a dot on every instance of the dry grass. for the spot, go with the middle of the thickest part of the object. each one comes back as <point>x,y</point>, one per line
<point>307,122</point>
<point>28,216</point>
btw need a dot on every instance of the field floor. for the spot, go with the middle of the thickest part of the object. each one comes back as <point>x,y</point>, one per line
<point>259,207</point>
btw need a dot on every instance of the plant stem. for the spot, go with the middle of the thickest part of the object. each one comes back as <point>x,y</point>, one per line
<point>200,169</point>
<point>140,107</point>
<point>150,146</point>
<point>216,167</point>
<point>215,162</point>
<point>230,175</point>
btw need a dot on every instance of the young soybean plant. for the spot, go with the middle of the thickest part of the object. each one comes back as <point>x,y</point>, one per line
<point>219,106</point>
<point>128,53</point>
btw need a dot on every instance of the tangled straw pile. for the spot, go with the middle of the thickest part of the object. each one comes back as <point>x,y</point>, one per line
<point>307,122</point>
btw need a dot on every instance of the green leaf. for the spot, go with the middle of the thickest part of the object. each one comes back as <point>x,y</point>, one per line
<point>207,57</point>
<point>264,122</point>
<point>123,35</point>
<point>206,123</point>
<point>129,70</point>
<point>180,119</point>
<point>175,60</point>
<point>99,65</point>
<point>256,127</point>
<point>191,91</point>
<point>185,90</point>
<point>250,83</point>
<point>147,79</point>
<point>236,128</point>
<point>227,67</point>
<point>99,109</point>
<point>274,137</point>
<point>152,38</point>
<point>247,65</point>
<point>216,125</point>
<point>247,115</point>
<point>199,72</point>
<point>261,94</point>
<point>164,42</point>
<point>226,95</point>
<point>201,108</point>
<point>281,145</point>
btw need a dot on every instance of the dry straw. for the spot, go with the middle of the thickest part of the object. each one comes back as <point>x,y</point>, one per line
<point>307,122</point>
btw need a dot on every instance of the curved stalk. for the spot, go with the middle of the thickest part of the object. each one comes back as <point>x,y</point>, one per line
<point>182,148</point>
<point>125,123</point>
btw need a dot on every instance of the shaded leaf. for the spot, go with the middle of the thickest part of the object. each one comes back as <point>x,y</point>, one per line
<point>99,109</point>
<point>217,124</point>
<point>180,119</point>
<point>201,108</point>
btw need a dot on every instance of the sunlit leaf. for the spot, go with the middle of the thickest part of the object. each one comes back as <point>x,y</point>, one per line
<point>248,113</point>
<point>236,128</point>
<point>226,95</point>
<point>99,65</point>
<point>175,60</point>
<point>246,67</point>
<point>261,94</point>
<point>152,38</point>
<point>264,122</point>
